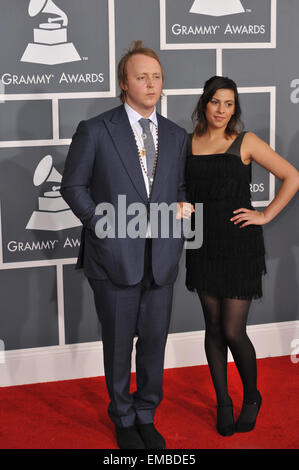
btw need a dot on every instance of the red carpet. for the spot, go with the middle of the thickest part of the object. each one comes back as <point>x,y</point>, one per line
<point>73,414</point>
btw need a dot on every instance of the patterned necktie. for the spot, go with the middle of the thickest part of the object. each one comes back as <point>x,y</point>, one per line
<point>149,146</point>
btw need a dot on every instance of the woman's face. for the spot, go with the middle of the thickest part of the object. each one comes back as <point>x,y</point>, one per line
<point>220,108</point>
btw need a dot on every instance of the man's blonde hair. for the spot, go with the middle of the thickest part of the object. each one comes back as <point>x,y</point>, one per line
<point>136,47</point>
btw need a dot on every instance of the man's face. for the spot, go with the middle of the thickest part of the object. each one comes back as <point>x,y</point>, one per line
<point>144,83</point>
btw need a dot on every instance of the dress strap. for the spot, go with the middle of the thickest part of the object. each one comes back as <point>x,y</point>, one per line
<point>189,144</point>
<point>235,147</point>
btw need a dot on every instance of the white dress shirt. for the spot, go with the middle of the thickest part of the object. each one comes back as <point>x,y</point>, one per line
<point>134,117</point>
<point>137,129</point>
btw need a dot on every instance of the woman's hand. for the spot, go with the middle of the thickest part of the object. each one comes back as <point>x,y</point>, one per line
<point>184,210</point>
<point>249,217</point>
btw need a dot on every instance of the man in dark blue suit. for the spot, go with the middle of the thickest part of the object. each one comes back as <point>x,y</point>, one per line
<point>131,151</point>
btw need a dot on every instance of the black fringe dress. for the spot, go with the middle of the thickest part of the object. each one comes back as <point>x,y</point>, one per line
<point>231,261</point>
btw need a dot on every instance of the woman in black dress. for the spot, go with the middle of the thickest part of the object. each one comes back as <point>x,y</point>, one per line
<point>226,271</point>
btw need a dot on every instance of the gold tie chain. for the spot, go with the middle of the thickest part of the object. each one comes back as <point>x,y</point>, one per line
<point>142,154</point>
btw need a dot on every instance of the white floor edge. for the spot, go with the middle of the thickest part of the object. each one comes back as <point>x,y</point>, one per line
<point>76,361</point>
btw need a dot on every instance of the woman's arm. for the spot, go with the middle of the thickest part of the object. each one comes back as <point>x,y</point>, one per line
<point>259,151</point>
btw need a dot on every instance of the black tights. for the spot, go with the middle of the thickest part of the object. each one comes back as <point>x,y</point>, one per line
<point>225,320</point>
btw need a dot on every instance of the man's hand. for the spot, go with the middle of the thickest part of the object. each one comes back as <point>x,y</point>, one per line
<point>184,210</point>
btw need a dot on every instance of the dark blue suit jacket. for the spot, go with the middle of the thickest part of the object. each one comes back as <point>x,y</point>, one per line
<point>103,163</point>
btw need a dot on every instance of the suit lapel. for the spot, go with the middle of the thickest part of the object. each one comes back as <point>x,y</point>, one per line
<point>165,141</point>
<point>121,132</point>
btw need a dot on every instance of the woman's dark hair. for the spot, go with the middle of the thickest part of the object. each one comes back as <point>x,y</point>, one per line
<point>199,114</point>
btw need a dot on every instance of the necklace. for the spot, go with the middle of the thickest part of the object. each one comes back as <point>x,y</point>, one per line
<point>142,154</point>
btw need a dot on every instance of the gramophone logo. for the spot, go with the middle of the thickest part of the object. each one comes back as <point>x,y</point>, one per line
<point>53,213</point>
<point>50,45</point>
<point>217,7</point>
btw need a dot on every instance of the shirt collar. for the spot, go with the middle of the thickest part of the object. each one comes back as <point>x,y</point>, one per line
<point>134,116</point>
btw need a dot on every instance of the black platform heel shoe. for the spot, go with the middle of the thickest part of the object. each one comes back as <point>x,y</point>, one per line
<point>225,419</point>
<point>248,415</point>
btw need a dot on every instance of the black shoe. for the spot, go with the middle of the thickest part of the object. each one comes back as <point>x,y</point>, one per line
<point>151,437</point>
<point>248,415</point>
<point>225,419</point>
<point>128,438</point>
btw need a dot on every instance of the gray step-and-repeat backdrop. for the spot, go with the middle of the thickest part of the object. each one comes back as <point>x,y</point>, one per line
<point>58,62</point>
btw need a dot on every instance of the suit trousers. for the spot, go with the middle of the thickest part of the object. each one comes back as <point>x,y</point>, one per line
<point>141,310</point>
